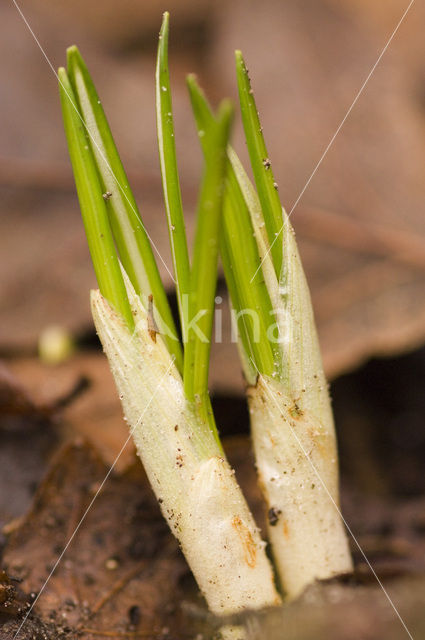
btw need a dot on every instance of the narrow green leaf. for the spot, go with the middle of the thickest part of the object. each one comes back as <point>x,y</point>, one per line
<point>240,257</point>
<point>129,232</point>
<point>169,172</point>
<point>204,268</point>
<point>242,327</point>
<point>255,310</point>
<point>261,167</point>
<point>92,204</point>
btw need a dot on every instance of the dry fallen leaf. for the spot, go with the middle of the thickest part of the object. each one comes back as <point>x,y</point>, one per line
<point>95,415</point>
<point>121,576</point>
<point>28,437</point>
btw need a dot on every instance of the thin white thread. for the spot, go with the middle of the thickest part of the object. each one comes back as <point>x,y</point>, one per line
<point>271,395</point>
<point>91,136</point>
<point>91,502</point>
<point>337,132</point>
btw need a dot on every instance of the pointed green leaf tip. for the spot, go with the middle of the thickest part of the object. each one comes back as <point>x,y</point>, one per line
<point>169,172</point>
<point>130,236</point>
<point>261,166</point>
<point>92,204</point>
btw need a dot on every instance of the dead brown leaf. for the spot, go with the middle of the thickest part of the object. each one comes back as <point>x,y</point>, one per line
<point>122,575</point>
<point>95,415</point>
<point>28,437</point>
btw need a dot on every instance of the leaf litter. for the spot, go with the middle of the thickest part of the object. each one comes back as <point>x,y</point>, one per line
<point>121,575</point>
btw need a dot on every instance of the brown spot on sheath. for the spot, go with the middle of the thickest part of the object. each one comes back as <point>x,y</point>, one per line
<point>152,326</point>
<point>273,516</point>
<point>285,529</point>
<point>295,411</point>
<point>245,536</point>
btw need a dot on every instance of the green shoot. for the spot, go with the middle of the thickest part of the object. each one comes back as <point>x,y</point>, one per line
<point>126,230</point>
<point>169,172</point>
<point>177,439</point>
<point>92,203</point>
<point>204,268</point>
<point>130,236</point>
<point>292,410</point>
<point>164,389</point>
<point>196,285</point>
<point>261,167</point>
<point>240,257</point>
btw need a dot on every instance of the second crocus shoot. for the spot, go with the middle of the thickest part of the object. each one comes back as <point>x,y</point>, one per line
<point>291,416</point>
<point>162,381</point>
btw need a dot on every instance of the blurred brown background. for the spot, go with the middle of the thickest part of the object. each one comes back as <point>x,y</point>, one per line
<point>360,222</point>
